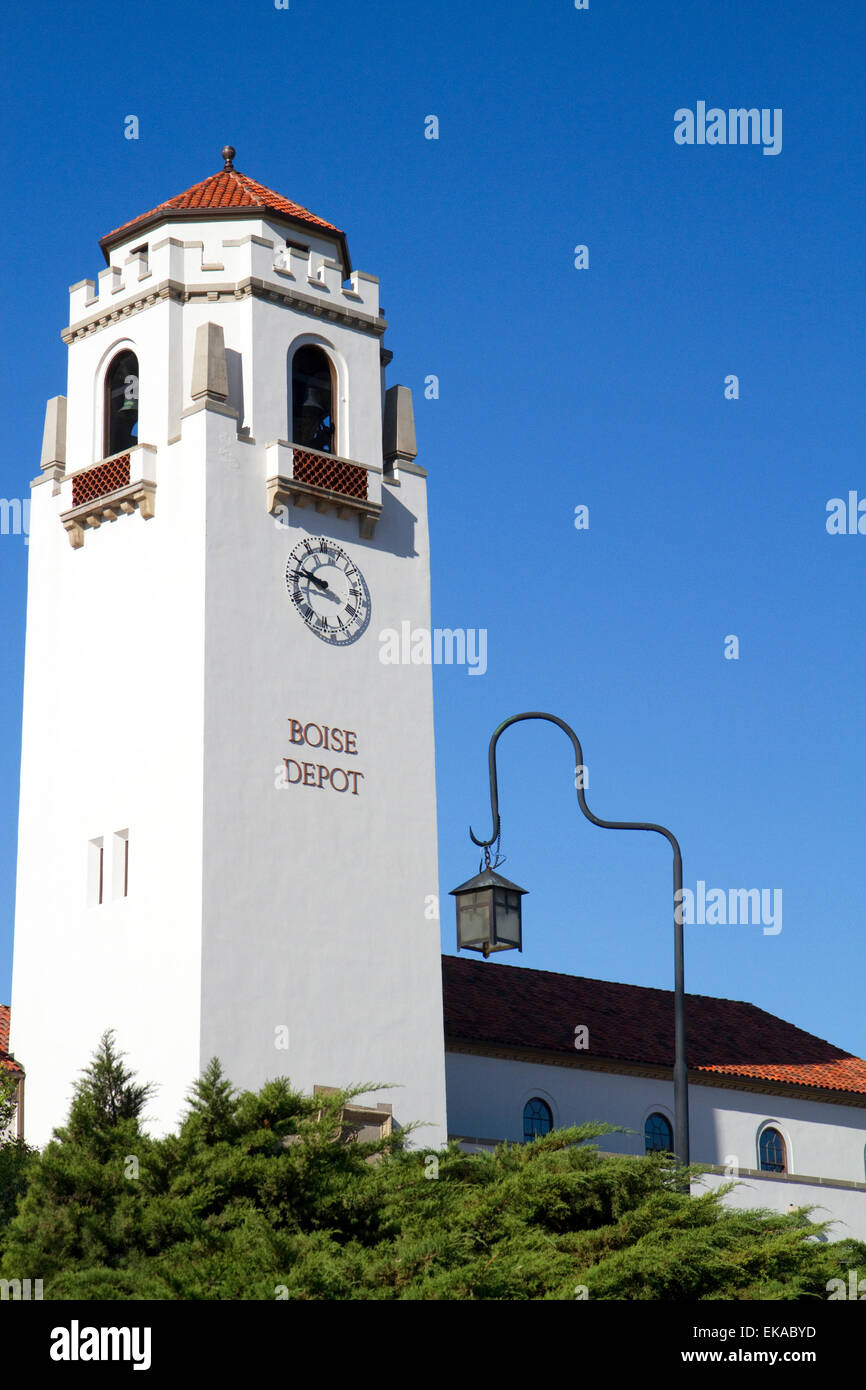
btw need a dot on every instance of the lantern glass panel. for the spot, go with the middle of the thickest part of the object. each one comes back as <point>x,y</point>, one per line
<point>507,906</point>
<point>473,920</point>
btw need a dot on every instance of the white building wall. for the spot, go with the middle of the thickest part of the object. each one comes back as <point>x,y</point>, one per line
<point>486,1097</point>
<point>112,741</point>
<point>315,900</point>
<point>163,662</point>
<point>844,1208</point>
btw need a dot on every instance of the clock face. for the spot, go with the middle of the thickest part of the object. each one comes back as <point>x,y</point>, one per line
<point>328,590</point>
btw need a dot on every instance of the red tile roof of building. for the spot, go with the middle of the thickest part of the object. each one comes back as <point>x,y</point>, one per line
<point>228,192</point>
<point>6,1062</point>
<point>504,1006</point>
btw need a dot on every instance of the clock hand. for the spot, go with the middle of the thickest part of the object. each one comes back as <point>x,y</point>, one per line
<point>302,574</point>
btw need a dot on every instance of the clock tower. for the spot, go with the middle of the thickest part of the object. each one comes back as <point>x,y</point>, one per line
<point>227,834</point>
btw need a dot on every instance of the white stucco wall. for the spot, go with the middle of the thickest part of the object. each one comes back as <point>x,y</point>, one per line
<point>163,662</point>
<point>844,1208</point>
<point>315,900</point>
<point>486,1097</point>
<point>112,741</point>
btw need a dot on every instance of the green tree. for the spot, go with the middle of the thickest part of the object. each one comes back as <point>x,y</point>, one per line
<point>8,1104</point>
<point>105,1096</point>
<point>15,1155</point>
<point>83,1204</point>
<point>265,1194</point>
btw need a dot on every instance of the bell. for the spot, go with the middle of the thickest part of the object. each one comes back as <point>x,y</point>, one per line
<point>311,404</point>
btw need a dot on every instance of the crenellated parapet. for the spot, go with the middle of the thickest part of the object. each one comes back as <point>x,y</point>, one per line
<point>189,267</point>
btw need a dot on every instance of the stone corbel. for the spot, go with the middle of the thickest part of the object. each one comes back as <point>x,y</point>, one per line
<point>284,492</point>
<point>139,495</point>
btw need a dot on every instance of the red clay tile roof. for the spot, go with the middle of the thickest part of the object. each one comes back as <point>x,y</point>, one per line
<point>6,1062</point>
<point>222,193</point>
<point>510,1006</point>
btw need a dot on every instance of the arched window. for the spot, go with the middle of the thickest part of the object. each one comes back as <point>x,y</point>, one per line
<point>121,404</point>
<point>537,1118</point>
<point>658,1135</point>
<point>312,400</point>
<point>771,1151</point>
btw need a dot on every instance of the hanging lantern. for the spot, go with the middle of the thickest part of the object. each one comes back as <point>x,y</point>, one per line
<point>488,913</point>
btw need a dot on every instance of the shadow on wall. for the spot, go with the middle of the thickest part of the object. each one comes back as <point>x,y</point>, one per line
<point>395,530</point>
<point>235,373</point>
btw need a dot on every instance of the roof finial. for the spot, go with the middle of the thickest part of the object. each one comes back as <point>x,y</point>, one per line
<point>228,154</point>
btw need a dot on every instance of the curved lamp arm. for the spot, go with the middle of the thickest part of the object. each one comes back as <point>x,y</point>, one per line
<point>681,1100</point>
<point>581,799</point>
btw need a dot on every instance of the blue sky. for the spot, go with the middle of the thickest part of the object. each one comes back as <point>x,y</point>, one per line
<point>558,387</point>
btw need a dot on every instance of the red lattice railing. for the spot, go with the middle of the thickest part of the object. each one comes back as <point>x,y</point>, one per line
<point>332,473</point>
<point>99,480</point>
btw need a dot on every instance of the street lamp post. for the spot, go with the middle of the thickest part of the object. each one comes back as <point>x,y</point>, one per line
<point>681,1085</point>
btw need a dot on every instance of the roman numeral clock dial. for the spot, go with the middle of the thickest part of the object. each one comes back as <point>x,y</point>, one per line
<point>328,590</point>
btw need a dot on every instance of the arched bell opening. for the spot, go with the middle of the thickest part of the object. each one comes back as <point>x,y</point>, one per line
<point>121,404</point>
<point>313,424</point>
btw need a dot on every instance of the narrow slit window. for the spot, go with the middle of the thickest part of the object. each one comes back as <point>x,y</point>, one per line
<point>95,872</point>
<point>120,864</point>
